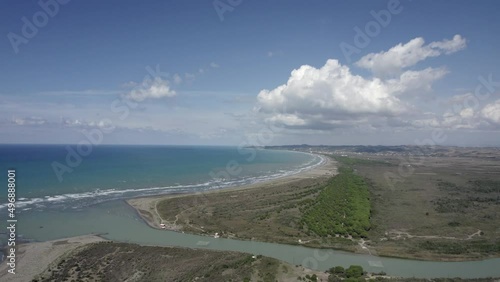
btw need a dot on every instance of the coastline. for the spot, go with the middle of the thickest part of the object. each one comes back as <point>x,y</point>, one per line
<point>48,259</point>
<point>146,209</point>
<point>146,206</point>
<point>33,258</point>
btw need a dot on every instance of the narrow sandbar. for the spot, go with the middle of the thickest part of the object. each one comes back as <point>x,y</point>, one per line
<point>146,206</point>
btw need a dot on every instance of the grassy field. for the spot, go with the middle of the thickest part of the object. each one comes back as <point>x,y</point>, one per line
<point>273,213</point>
<point>444,207</point>
<point>448,207</point>
<point>112,261</point>
<point>109,261</point>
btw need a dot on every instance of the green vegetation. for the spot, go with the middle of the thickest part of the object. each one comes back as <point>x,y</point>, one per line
<point>337,270</point>
<point>460,200</point>
<point>477,185</point>
<point>453,223</point>
<point>110,261</point>
<point>355,161</point>
<point>452,205</point>
<point>456,279</point>
<point>464,247</point>
<point>313,277</point>
<point>353,273</point>
<point>449,200</point>
<point>485,186</point>
<point>342,207</point>
<point>447,186</point>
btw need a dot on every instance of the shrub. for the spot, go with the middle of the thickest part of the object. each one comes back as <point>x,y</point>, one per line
<point>354,271</point>
<point>337,270</point>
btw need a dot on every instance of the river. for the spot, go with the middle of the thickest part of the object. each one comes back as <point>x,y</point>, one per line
<point>120,222</point>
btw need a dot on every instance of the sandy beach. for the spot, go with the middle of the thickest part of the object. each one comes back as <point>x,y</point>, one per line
<point>146,206</point>
<point>33,258</point>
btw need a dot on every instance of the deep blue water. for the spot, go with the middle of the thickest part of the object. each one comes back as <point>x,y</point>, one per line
<point>67,177</point>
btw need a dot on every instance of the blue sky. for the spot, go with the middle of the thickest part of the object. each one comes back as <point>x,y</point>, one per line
<point>220,72</point>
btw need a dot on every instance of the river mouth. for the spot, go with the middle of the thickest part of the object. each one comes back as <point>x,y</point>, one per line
<point>118,221</point>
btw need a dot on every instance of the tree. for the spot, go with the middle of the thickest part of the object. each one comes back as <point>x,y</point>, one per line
<point>337,270</point>
<point>354,271</point>
<point>334,278</point>
<point>354,279</point>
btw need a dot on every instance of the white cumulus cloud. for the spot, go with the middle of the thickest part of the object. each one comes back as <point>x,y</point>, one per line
<point>332,96</point>
<point>491,112</point>
<point>406,55</point>
<point>151,89</point>
<point>416,80</point>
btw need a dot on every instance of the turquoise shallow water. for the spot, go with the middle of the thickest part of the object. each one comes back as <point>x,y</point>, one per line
<point>120,222</point>
<point>90,200</point>
<point>61,177</point>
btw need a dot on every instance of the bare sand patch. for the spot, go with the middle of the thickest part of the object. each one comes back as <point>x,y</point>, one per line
<point>34,258</point>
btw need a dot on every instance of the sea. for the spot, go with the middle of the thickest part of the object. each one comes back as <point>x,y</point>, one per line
<point>65,182</point>
<point>64,191</point>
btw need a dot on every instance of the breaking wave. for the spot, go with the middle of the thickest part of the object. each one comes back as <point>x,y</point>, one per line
<point>84,199</point>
